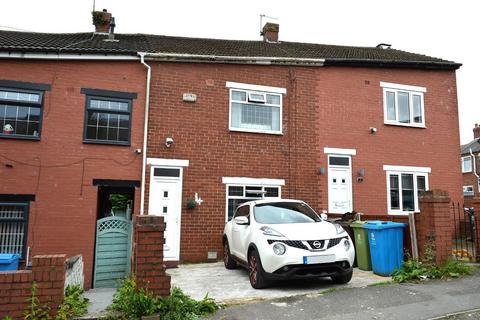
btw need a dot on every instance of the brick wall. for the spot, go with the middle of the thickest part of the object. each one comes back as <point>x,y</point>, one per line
<point>148,266</point>
<point>48,271</point>
<point>323,107</point>
<point>434,224</point>
<point>59,168</point>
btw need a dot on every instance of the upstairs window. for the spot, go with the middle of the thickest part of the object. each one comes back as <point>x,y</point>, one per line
<point>108,117</point>
<point>255,108</point>
<point>21,107</point>
<point>467,164</point>
<point>403,104</point>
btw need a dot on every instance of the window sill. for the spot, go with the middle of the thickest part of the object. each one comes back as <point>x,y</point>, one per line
<point>277,133</point>
<point>9,136</point>
<point>110,143</point>
<point>420,126</point>
<point>401,213</point>
<point>465,172</point>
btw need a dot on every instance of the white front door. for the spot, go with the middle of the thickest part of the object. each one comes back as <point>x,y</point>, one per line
<point>339,185</point>
<point>165,199</point>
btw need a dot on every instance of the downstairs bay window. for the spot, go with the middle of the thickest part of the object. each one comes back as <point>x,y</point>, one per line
<point>403,187</point>
<point>240,190</point>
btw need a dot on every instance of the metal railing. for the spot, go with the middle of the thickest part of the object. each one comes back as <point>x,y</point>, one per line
<point>465,243</point>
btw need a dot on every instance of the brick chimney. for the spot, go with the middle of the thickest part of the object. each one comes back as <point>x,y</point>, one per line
<point>270,32</point>
<point>101,20</point>
<point>476,131</point>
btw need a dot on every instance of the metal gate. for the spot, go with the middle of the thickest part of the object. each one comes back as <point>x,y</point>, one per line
<point>112,251</point>
<point>465,242</point>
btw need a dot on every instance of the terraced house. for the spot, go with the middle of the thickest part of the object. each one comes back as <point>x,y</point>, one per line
<point>100,126</point>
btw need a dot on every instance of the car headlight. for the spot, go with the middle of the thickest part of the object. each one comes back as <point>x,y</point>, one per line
<point>339,228</point>
<point>347,244</point>
<point>270,232</point>
<point>279,249</point>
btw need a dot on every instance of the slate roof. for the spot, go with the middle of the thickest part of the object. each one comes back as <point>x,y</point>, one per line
<point>130,44</point>
<point>474,145</point>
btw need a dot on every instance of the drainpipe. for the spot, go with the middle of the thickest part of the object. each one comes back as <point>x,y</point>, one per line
<point>475,170</point>
<point>145,133</point>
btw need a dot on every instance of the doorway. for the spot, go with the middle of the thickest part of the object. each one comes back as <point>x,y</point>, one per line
<point>339,184</point>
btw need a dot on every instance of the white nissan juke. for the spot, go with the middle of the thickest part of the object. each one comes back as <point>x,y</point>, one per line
<point>286,239</point>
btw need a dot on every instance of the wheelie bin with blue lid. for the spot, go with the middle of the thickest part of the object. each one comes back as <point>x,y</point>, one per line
<point>385,239</point>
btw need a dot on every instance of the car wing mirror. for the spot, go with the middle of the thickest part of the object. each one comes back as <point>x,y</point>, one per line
<point>241,220</point>
<point>323,216</point>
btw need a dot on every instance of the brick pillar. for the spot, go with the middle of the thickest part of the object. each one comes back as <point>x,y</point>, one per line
<point>49,274</point>
<point>148,266</point>
<point>476,207</point>
<point>434,224</point>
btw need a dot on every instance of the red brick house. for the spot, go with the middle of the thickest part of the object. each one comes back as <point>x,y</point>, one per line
<point>470,167</point>
<point>343,128</point>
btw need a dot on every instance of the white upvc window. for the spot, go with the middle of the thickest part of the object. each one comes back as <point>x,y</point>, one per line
<point>255,108</point>
<point>467,164</point>
<point>403,104</point>
<point>240,190</point>
<point>403,186</point>
<point>468,191</point>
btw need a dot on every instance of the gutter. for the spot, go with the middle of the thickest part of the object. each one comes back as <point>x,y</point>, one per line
<point>65,56</point>
<point>145,132</point>
<point>182,57</point>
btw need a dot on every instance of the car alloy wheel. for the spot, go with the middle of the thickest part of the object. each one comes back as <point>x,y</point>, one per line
<point>227,257</point>
<point>252,266</point>
<point>256,273</point>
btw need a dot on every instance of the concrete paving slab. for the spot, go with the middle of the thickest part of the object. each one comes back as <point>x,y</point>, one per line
<point>233,286</point>
<point>100,299</point>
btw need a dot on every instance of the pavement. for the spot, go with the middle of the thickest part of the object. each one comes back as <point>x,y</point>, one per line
<point>233,287</point>
<point>100,299</point>
<point>434,299</point>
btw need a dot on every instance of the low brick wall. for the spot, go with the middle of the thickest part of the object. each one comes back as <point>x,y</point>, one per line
<point>148,266</point>
<point>48,271</point>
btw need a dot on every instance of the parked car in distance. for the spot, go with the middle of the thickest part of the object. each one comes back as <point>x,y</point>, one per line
<point>286,239</point>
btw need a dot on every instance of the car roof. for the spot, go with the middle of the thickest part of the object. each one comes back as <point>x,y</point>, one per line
<point>255,202</point>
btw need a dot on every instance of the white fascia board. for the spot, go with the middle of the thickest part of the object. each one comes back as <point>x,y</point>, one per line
<point>253,181</point>
<point>407,169</point>
<point>167,162</point>
<point>255,87</point>
<point>402,87</point>
<point>351,152</point>
<point>65,56</point>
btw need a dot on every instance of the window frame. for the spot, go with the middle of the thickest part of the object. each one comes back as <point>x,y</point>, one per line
<point>399,173</point>
<point>39,105</point>
<point>88,98</point>
<point>467,193</point>
<point>255,89</point>
<point>411,91</point>
<point>463,163</point>
<point>25,220</point>
<point>244,197</point>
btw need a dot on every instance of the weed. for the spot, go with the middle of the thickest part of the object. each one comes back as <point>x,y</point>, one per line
<point>35,310</point>
<point>73,305</point>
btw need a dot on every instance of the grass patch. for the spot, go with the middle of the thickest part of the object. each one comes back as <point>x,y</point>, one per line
<point>132,302</point>
<point>379,284</point>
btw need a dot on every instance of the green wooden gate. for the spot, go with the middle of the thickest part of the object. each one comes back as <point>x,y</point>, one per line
<point>112,251</point>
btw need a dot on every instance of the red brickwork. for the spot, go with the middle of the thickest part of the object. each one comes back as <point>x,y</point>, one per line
<point>148,266</point>
<point>470,179</point>
<point>323,107</point>
<point>48,271</point>
<point>434,224</point>
<point>59,168</point>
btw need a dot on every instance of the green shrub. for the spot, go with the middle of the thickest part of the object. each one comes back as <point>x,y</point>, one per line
<point>74,304</point>
<point>131,302</point>
<point>35,310</point>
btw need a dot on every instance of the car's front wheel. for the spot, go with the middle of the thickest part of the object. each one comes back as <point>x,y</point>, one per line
<point>343,278</point>
<point>255,271</point>
<point>228,261</point>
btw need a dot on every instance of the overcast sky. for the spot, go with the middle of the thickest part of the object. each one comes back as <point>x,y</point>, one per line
<point>439,28</point>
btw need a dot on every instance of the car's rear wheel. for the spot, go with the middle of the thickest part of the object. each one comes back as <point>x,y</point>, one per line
<point>256,273</point>
<point>228,260</point>
<point>343,278</point>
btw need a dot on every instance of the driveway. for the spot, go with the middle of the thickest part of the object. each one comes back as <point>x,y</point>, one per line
<point>233,286</point>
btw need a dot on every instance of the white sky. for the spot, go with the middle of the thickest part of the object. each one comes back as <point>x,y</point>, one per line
<point>439,28</point>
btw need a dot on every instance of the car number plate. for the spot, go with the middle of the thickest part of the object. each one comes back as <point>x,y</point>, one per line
<point>319,259</point>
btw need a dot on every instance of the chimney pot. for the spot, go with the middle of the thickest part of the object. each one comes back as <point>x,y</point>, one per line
<point>270,32</point>
<point>101,20</point>
<point>476,131</point>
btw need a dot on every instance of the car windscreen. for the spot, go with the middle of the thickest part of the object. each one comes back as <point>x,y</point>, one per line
<point>284,212</point>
